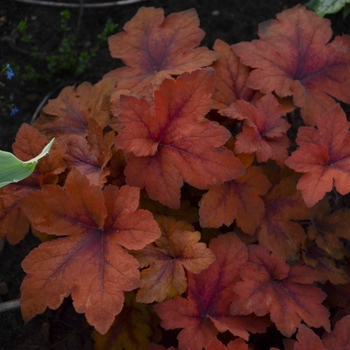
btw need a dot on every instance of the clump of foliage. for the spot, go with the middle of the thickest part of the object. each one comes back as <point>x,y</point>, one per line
<point>325,7</point>
<point>67,58</point>
<point>180,196</point>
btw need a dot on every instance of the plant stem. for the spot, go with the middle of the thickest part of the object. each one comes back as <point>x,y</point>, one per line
<point>10,305</point>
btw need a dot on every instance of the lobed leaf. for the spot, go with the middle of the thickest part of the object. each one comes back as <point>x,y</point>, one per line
<point>151,44</point>
<point>70,112</point>
<point>90,263</point>
<point>176,143</point>
<point>178,250</point>
<point>271,286</point>
<point>325,159</point>
<point>264,131</point>
<point>231,77</point>
<point>279,229</point>
<point>238,200</point>
<point>293,57</point>
<point>205,310</point>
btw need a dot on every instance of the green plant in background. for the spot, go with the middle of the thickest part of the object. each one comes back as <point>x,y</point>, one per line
<point>67,58</point>
<point>13,169</point>
<point>8,71</point>
<point>325,7</point>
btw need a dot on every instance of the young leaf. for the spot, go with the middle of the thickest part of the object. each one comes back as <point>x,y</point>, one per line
<point>90,155</point>
<point>286,292</point>
<point>151,44</point>
<point>13,169</point>
<point>206,309</point>
<point>293,58</point>
<point>264,131</point>
<point>70,112</point>
<point>177,250</point>
<point>238,200</point>
<point>90,263</point>
<point>176,143</point>
<point>324,157</point>
<point>231,77</point>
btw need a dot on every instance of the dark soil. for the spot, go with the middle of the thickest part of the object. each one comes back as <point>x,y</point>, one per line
<point>230,20</point>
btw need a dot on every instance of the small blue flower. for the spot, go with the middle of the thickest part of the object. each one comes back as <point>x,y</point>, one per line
<point>9,71</point>
<point>14,111</point>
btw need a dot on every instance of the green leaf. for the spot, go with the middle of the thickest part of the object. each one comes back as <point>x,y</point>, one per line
<point>13,169</point>
<point>324,7</point>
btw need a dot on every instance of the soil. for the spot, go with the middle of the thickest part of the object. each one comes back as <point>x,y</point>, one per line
<point>230,20</point>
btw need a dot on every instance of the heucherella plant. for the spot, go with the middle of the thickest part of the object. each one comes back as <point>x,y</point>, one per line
<point>13,169</point>
<point>178,195</point>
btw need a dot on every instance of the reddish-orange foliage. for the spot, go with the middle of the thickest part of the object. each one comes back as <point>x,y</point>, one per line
<point>237,199</point>
<point>279,229</point>
<point>175,143</point>
<point>264,131</point>
<point>308,340</point>
<point>90,155</point>
<point>70,112</point>
<point>206,309</point>
<point>176,251</point>
<point>292,58</point>
<point>90,263</point>
<point>324,156</point>
<point>231,77</point>
<point>286,292</point>
<point>192,141</point>
<point>152,44</point>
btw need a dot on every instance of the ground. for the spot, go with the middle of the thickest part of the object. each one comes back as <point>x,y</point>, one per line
<point>230,20</point>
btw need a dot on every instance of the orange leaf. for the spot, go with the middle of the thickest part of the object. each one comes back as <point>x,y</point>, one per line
<point>231,77</point>
<point>90,263</point>
<point>70,112</point>
<point>237,199</point>
<point>151,44</point>
<point>286,292</point>
<point>205,311</point>
<point>308,340</point>
<point>339,337</point>
<point>324,156</point>
<point>264,131</point>
<point>176,143</point>
<point>90,155</point>
<point>293,57</point>
<point>279,229</point>
<point>168,257</point>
